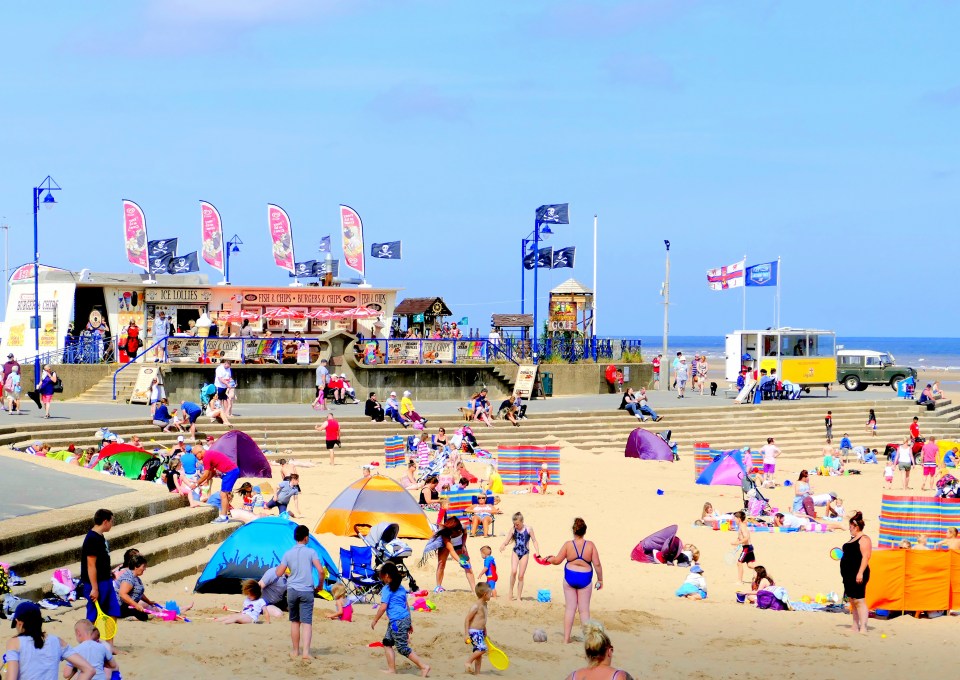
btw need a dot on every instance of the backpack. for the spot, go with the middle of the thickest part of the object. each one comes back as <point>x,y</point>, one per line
<point>767,600</point>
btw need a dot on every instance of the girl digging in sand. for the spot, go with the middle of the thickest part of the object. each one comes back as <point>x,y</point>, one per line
<point>521,537</point>
<point>394,605</point>
<point>343,604</point>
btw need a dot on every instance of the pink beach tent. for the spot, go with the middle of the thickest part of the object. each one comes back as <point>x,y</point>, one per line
<point>727,470</point>
<point>647,445</point>
<point>241,449</point>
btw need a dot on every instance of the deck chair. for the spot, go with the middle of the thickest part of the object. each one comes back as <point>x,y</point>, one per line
<point>357,573</point>
<point>459,503</point>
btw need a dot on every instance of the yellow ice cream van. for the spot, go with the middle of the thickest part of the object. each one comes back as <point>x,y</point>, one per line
<point>802,356</point>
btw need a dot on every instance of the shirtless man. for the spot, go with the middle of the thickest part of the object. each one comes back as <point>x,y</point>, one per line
<point>952,541</point>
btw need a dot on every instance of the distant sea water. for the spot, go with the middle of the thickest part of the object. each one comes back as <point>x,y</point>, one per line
<point>932,354</point>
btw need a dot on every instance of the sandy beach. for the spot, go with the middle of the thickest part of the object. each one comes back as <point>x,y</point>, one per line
<point>653,631</point>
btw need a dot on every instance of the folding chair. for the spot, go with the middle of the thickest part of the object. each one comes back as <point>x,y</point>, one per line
<point>357,574</point>
<point>459,503</point>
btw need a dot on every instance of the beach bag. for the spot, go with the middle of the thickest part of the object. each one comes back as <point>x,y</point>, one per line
<point>767,600</point>
<point>58,386</point>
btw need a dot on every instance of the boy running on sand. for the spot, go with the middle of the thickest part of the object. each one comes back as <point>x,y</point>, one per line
<point>475,628</point>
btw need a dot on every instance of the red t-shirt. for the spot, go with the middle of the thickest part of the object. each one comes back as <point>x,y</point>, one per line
<point>332,430</point>
<point>218,462</point>
<point>656,364</point>
<point>914,430</point>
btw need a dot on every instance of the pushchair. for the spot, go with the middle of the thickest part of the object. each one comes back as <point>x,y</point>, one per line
<point>436,466</point>
<point>754,502</point>
<point>382,539</point>
<point>207,392</point>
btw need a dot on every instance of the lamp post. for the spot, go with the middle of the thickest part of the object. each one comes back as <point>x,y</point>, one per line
<point>532,241</point>
<point>233,246</point>
<point>45,189</point>
<point>665,361</point>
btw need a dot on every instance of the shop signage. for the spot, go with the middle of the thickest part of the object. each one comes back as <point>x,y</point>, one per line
<point>174,295</point>
<point>319,298</point>
<point>526,377</point>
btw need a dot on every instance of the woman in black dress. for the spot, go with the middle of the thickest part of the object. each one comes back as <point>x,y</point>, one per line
<point>855,571</point>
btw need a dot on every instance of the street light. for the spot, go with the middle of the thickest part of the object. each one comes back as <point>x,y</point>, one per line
<point>665,291</point>
<point>45,189</point>
<point>233,246</point>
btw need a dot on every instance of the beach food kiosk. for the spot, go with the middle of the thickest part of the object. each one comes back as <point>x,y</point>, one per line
<point>802,356</point>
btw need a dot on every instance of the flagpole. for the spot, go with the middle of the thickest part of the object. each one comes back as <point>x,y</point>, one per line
<point>536,270</point>
<point>594,278</point>
<point>744,326</point>
<point>523,277</point>
<point>665,362</point>
<point>777,315</point>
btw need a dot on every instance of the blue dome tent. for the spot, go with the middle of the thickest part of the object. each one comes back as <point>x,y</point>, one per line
<point>252,549</point>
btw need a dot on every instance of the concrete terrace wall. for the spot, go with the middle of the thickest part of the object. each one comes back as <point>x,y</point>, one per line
<point>572,379</point>
<point>77,378</point>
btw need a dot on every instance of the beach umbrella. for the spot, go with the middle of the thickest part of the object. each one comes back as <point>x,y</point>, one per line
<point>359,313</point>
<point>283,313</point>
<point>322,314</point>
<point>243,315</point>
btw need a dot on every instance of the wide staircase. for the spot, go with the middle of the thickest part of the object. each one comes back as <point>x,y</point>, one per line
<point>179,540</point>
<point>102,391</point>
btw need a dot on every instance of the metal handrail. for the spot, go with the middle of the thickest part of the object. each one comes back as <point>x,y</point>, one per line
<point>141,358</point>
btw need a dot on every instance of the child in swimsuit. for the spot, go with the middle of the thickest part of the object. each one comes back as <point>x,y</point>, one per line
<point>744,541</point>
<point>343,604</point>
<point>489,568</point>
<point>521,537</point>
<point>543,481</point>
<point>475,628</point>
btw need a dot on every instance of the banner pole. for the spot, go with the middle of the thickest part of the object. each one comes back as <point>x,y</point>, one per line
<point>779,274</point>
<point>744,326</point>
<point>523,274</point>
<point>536,270</point>
<point>594,278</point>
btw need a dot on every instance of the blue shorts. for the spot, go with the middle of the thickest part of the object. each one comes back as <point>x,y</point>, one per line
<point>107,599</point>
<point>300,606</point>
<point>229,480</point>
<point>192,417</point>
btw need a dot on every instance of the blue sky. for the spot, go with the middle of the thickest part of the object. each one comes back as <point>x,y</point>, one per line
<point>822,132</point>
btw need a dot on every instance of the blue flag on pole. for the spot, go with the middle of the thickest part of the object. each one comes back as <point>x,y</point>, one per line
<point>183,264</point>
<point>325,244</point>
<point>762,274</point>
<point>542,258</point>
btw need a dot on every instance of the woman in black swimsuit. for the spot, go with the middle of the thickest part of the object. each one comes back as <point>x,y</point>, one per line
<point>855,571</point>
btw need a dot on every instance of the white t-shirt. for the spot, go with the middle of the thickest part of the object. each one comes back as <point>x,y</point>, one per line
<point>794,522</point>
<point>770,453</point>
<point>904,454</point>
<point>888,472</point>
<point>222,380</point>
<point>253,608</point>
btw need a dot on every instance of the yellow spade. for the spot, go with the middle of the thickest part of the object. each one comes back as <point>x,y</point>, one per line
<point>498,659</point>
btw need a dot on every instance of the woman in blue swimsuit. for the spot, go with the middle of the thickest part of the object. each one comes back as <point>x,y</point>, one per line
<point>582,558</point>
<point>521,537</point>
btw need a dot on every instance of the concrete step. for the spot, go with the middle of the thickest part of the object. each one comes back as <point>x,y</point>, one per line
<point>46,555</point>
<point>191,546</point>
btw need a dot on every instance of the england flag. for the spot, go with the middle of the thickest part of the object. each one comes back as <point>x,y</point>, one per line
<point>723,278</point>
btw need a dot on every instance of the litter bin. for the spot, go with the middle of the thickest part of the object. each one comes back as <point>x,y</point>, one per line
<point>546,384</point>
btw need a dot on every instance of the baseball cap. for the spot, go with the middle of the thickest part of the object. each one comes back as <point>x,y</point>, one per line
<point>10,356</point>
<point>180,438</point>
<point>696,569</point>
<point>210,438</point>
<point>23,609</point>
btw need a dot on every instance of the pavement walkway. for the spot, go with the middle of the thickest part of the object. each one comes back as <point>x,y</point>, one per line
<point>39,488</point>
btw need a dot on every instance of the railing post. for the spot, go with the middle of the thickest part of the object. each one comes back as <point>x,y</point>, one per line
<point>420,342</point>
<point>453,346</point>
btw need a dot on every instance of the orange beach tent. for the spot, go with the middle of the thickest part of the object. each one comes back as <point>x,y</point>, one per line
<point>369,501</point>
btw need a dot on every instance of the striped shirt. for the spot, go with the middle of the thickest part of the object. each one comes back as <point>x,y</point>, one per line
<point>423,455</point>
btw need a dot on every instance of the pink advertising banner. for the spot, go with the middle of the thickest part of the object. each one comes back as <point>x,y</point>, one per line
<point>25,272</point>
<point>281,234</point>
<point>135,235</point>
<point>352,228</point>
<point>211,229</point>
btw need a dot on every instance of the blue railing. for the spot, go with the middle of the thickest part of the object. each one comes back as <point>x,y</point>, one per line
<point>375,351</point>
<point>82,350</point>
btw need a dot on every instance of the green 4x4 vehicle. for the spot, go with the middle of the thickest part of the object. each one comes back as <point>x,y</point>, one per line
<point>859,368</point>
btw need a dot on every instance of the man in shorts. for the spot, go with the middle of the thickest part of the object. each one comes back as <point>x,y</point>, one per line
<point>223,377</point>
<point>191,412</point>
<point>216,463</point>
<point>928,454</point>
<point>96,580</point>
<point>301,561</point>
<point>770,453</point>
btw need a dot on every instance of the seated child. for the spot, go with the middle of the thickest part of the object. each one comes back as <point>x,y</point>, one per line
<point>253,606</point>
<point>489,568</point>
<point>689,555</point>
<point>344,604</point>
<point>90,648</point>
<point>695,586</point>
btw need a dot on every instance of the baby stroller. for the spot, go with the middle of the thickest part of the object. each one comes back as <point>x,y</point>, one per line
<point>382,539</point>
<point>753,499</point>
<point>207,392</point>
<point>948,487</point>
<point>436,466</point>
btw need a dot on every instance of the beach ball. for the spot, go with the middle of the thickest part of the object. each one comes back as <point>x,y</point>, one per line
<point>836,553</point>
<point>539,635</point>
